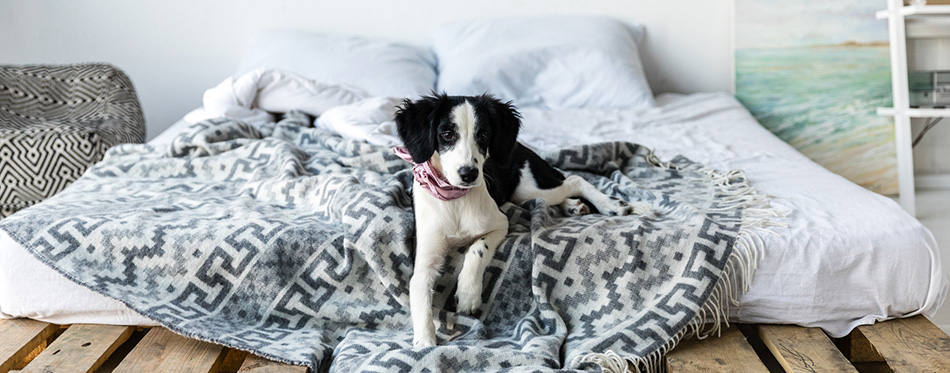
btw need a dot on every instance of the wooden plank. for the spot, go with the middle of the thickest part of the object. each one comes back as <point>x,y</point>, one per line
<point>862,354</point>
<point>32,355</point>
<point>728,353</point>
<point>910,345</point>
<point>19,337</point>
<point>861,350</point>
<point>233,359</point>
<point>257,364</point>
<point>163,351</point>
<point>123,350</point>
<point>42,347</point>
<point>800,349</point>
<point>81,348</point>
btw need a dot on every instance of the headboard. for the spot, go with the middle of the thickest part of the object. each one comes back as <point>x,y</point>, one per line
<point>174,50</point>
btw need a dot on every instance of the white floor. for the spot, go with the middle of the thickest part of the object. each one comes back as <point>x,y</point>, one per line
<point>933,209</point>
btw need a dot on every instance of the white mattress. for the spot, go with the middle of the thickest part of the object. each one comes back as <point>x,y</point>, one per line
<point>848,257</point>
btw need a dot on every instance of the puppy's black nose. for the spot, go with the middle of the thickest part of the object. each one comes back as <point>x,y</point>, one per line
<point>468,174</point>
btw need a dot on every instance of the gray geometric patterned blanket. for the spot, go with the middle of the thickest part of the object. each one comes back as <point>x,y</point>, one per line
<point>296,244</point>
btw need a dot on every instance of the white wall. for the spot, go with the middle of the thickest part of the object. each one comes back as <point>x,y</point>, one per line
<point>175,49</point>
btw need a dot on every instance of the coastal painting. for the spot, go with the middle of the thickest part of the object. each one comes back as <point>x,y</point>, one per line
<point>814,72</point>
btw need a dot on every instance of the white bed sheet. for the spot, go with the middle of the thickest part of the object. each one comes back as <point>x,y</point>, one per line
<point>848,257</point>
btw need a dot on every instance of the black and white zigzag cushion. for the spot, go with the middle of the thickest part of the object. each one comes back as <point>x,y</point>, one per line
<point>56,121</point>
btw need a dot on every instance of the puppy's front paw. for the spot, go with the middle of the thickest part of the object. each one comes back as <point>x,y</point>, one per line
<point>423,340</point>
<point>469,293</point>
<point>468,302</point>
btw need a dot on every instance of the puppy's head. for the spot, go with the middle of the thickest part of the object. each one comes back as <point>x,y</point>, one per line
<point>459,134</point>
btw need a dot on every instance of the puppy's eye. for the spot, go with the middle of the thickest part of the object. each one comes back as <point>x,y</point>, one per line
<point>447,136</point>
<point>482,136</point>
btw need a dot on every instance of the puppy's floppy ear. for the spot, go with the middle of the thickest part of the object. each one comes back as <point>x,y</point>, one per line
<point>507,123</point>
<point>416,126</point>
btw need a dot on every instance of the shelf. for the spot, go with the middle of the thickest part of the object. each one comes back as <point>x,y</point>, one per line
<point>916,112</point>
<point>918,11</point>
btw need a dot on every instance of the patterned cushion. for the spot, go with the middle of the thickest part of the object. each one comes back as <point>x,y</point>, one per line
<point>56,121</point>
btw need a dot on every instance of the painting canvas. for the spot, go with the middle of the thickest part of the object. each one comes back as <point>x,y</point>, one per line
<point>814,72</point>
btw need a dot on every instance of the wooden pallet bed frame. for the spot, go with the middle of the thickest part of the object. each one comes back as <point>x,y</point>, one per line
<point>906,345</point>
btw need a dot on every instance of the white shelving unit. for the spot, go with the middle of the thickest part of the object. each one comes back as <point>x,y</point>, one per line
<point>915,112</point>
<point>915,10</point>
<point>897,15</point>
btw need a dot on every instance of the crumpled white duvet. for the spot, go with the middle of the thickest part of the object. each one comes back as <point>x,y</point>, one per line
<point>253,97</point>
<point>369,120</point>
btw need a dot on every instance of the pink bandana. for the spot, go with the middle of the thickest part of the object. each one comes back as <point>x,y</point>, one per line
<point>429,179</point>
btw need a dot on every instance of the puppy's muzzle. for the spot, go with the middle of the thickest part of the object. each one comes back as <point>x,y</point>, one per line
<point>468,174</point>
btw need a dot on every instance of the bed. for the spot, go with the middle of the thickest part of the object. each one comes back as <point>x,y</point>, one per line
<point>834,268</point>
<point>838,257</point>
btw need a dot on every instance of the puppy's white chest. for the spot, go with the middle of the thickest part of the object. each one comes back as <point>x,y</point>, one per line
<point>459,220</point>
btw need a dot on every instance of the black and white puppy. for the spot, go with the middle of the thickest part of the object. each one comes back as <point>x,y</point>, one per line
<point>470,143</point>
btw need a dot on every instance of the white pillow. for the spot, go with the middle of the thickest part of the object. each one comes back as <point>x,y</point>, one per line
<point>379,67</point>
<point>553,62</point>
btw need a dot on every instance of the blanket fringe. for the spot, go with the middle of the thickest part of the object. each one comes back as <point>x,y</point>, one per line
<point>737,274</point>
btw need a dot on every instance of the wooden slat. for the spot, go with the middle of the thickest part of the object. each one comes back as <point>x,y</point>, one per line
<point>862,354</point>
<point>257,364</point>
<point>728,353</point>
<point>910,345</point>
<point>859,350</point>
<point>19,337</point>
<point>800,349</point>
<point>233,359</point>
<point>81,348</point>
<point>163,351</point>
<point>30,356</point>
